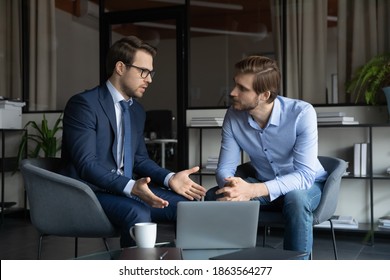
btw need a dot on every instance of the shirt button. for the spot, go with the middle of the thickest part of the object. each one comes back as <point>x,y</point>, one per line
<point>265,150</point>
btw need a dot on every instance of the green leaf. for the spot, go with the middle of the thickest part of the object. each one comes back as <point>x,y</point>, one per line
<point>42,141</point>
<point>370,78</point>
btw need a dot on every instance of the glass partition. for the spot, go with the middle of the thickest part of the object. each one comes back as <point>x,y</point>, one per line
<point>223,32</point>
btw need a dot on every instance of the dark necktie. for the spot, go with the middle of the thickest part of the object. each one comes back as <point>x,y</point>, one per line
<point>126,126</point>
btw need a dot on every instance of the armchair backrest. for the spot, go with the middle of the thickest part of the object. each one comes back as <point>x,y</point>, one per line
<point>61,205</point>
<point>336,168</point>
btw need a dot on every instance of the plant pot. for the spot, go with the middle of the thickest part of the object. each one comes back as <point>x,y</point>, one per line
<point>386,90</point>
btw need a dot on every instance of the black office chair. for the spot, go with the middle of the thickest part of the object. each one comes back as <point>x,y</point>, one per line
<point>273,217</point>
<point>61,205</point>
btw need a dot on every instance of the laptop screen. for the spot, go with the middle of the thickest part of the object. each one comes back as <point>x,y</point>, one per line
<point>217,224</point>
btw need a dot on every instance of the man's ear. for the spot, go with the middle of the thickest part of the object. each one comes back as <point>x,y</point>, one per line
<point>120,68</point>
<point>265,95</point>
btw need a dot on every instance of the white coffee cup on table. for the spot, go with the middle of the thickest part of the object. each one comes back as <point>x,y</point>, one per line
<point>144,234</point>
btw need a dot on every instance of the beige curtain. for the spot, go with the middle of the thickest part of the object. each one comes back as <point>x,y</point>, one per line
<point>10,49</point>
<point>43,65</point>
<point>305,45</point>
<point>276,10</point>
<point>363,32</point>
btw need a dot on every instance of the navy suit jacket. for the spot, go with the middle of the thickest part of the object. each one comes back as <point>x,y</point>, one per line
<point>89,142</point>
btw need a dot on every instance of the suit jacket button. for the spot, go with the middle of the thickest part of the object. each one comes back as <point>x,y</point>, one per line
<point>113,170</point>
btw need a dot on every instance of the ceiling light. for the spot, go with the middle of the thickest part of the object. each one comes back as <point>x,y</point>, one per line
<point>259,35</point>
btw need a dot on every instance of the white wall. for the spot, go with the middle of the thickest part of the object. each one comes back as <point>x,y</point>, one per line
<point>77,57</point>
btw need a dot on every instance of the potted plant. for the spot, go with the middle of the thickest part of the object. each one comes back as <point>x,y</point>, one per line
<point>45,142</point>
<point>370,79</point>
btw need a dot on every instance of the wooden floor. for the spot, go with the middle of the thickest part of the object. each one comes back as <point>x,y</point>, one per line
<point>19,240</point>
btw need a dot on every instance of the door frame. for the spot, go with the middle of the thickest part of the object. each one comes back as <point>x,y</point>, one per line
<point>179,14</point>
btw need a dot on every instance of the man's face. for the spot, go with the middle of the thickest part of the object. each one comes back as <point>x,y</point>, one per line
<point>243,97</point>
<point>131,82</point>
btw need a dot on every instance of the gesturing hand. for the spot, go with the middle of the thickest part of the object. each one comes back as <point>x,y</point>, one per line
<point>182,184</point>
<point>141,189</point>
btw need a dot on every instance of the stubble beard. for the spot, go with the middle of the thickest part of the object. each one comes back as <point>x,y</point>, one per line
<point>130,93</point>
<point>245,107</point>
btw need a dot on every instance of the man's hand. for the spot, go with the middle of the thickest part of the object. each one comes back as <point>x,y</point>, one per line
<point>183,185</point>
<point>236,189</point>
<point>141,189</point>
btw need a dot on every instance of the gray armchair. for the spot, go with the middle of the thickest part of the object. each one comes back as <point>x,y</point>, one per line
<point>273,217</point>
<point>62,206</point>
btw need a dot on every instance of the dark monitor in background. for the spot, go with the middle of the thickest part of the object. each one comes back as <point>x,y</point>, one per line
<point>159,122</point>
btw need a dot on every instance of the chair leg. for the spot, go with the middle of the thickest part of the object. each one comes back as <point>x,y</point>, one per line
<point>265,231</point>
<point>107,247</point>
<point>76,241</point>
<point>106,244</point>
<point>333,240</point>
<point>40,247</point>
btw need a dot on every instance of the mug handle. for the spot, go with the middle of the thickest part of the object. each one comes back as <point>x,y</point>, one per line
<point>132,232</point>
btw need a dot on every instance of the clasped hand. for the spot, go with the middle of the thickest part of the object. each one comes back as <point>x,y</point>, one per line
<point>236,189</point>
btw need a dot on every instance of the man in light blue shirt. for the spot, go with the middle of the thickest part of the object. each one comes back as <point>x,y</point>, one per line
<point>280,136</point>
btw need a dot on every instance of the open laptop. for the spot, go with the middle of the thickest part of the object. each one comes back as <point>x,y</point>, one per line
<point>216,227</point>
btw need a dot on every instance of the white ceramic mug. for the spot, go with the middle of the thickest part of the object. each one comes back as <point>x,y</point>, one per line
<point>144,234</point>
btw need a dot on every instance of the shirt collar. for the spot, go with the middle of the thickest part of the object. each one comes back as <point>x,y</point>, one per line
<point>274,119</point>
<point>116,96</point>
<point>276,113</point>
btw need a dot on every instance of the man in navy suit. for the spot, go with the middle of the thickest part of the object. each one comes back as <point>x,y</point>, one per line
<point>92,145</point>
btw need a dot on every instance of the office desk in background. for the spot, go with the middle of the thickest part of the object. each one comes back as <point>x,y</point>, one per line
<point>162,143</point>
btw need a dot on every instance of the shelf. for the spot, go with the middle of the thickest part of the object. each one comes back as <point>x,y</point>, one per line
<point>363,227</point>
<point>381,176</point>
<point>354,125</point>
<point>204,171</point>
<point>369,228</point>
<point>374,176</point>
<point>6,205</point>
<point>8,164</point>
<point>355,177</point>
<point>9,208</point>
<point>203,127</point>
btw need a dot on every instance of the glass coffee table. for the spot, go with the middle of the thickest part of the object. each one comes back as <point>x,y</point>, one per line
<point>167,251</point>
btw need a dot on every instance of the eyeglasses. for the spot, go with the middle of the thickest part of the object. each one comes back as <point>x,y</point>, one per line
<point>144,72</point>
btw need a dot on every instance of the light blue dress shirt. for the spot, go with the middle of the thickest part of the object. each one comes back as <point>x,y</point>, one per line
<point>284,153</point>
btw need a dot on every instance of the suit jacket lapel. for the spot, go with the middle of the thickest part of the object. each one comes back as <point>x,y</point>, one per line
<point>107,104</point>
